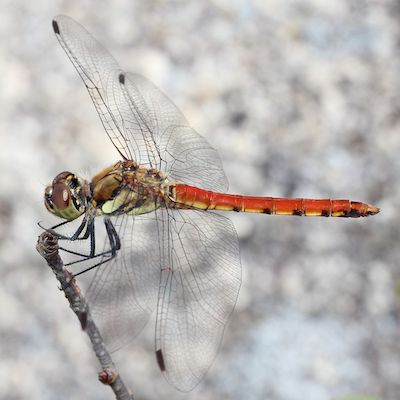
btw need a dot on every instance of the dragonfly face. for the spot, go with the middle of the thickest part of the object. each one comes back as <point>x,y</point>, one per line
<point>67,196</point>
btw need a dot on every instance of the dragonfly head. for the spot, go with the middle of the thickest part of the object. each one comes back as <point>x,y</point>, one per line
<point>67,196</point>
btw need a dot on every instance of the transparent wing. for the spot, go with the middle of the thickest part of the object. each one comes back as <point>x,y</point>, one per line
<point>99,72</point>
<point>196,284</point>
<point>200,282</point>
<point>123,292</point>
<point>182,153</point>
<point>142,122</point>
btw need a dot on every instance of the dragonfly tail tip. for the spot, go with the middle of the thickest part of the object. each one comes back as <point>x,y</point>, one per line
<point>372,210</point>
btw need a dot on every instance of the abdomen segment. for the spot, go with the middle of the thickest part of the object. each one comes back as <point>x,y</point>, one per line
<point>186,196</point>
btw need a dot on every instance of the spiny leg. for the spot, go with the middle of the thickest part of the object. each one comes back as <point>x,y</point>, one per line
<point>115,245</point>
<point>89,234</point>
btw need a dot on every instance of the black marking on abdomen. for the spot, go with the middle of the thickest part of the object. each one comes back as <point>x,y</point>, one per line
<point>297,212</point>
<point>266,211</point>
<point>160,360</point>
<point>353,213</point>
<point>237,209</point>
<point>325,213</point>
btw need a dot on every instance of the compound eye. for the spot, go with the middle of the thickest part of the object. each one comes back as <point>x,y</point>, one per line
<point>60,196</point>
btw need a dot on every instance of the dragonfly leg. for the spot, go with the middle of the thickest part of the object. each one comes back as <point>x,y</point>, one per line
<point>107,259</point>
<point>84,257</point>
<point>89,234</point>
<point>115,245</point>
<point>88,223</point>
<point>76,234</point>
<point>112,235</point>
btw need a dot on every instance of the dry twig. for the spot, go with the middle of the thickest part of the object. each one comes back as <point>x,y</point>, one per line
<point>47,246</point>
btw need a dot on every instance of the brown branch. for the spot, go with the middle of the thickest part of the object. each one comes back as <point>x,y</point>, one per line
<point>47,246</point>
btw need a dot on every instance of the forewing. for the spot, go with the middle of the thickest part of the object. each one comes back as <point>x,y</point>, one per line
<point>100,74</point>
<point>201,276</point>
<point>141,121</point>
<point>123,292</point>
<point>181,152</point>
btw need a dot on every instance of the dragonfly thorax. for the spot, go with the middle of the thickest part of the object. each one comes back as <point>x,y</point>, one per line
<point>127,188</point>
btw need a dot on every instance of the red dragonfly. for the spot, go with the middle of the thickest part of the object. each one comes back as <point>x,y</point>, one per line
<point>166,249</point>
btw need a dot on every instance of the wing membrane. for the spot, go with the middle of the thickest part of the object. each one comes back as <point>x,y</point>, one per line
<point>142,123</point>
<point>99,72</point>
<point>123,292</point>
<point>201,276</point>
<point>179,150</point>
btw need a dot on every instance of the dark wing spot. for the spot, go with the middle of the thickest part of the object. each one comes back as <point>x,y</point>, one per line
<point>56,29</point>
<point>160,360</point>
<point>121,79</point>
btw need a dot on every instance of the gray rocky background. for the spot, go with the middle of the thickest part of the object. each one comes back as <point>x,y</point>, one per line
<point>301,98</point>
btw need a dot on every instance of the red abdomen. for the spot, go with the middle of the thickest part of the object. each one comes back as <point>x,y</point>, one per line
<point>187,196</point>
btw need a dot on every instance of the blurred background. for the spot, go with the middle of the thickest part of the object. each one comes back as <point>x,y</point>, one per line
<point>301,98</point>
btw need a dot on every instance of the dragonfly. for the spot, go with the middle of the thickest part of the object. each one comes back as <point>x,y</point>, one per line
<point>167,247</point>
